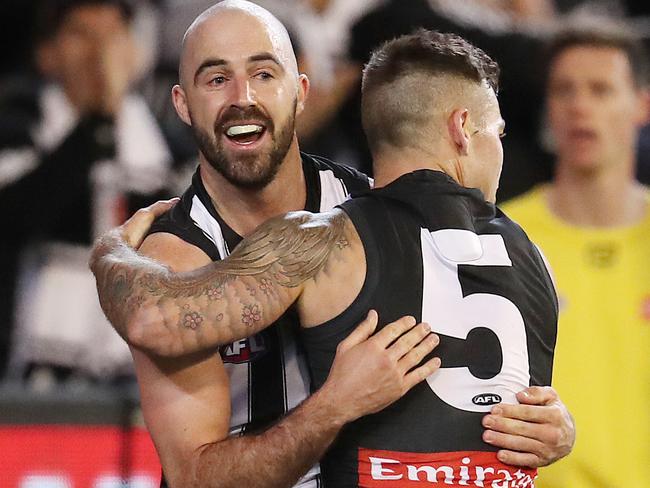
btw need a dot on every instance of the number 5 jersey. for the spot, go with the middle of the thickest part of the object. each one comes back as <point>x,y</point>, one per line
<point>439,252</point>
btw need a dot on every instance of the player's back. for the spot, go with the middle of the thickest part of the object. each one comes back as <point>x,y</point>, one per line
<point>439,252</point>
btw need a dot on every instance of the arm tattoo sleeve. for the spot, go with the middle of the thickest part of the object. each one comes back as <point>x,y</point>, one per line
<point>179,313</point>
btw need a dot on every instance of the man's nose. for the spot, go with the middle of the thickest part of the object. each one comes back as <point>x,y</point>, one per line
<point>581,103</point>
<point>243,94</point>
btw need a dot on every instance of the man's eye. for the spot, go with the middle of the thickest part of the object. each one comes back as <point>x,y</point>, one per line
<point>562,90</point>
<point>218,80</point>
<point>264,75</point>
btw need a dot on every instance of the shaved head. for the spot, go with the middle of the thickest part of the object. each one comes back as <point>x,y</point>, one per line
<point>412,110</point>
<point>412,84</point>
<point>432,97</point>
<point>255,18</point>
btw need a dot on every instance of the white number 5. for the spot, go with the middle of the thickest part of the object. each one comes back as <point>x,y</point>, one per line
<point>449,313</point>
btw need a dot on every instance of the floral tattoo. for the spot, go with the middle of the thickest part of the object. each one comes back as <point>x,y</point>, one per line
<point>251,314</point>
<point>192,320</point>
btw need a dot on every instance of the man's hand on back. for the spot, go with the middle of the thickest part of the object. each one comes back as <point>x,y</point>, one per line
<point>372,371</point>
<point>535,433</point>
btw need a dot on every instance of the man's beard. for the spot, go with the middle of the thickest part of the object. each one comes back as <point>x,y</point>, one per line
<point>254,171</point>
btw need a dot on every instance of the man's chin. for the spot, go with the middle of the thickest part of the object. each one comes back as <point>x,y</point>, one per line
<point>256,183</point>
<point>251,174</point>
<point>584,163</point>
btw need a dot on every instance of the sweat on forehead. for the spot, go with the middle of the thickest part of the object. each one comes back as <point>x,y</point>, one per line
<point>252,19</point>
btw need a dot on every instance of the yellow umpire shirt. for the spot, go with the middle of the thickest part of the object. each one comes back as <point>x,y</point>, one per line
<point>602,359</point>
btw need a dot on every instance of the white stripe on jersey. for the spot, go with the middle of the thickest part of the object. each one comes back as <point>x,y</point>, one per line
<point>332,190</point>
<point>296,374</point>
<point>209,225</point>
<point>238,374</point>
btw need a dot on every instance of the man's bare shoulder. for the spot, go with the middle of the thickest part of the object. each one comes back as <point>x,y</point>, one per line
<point>338,282</point>
<point>303,224</point>
<point>174,252</point>
<point>296,245</point>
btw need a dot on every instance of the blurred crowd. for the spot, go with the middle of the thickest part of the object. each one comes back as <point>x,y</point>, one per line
<point>88,134</point>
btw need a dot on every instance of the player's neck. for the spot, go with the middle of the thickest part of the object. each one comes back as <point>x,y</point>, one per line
<point>388,165</point>
<point>609,197</point>
<point>245,209</point>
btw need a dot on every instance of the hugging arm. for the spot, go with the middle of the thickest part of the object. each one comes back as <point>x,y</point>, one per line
<point>173,314</point>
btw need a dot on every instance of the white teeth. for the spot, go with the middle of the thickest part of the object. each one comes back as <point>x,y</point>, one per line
<point>238,130</point>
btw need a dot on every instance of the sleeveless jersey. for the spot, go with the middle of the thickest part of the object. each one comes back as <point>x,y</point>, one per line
<point>268,373</point>
<point>439,252</point>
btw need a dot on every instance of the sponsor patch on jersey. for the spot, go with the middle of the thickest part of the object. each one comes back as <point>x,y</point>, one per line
<point>244,350</point>
<point>381,469</point>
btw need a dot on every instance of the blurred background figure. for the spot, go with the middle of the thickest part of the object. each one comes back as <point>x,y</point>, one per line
<point>81,151</point>
<point>593,223</point>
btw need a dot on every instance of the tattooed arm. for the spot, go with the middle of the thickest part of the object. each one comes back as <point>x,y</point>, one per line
<point>186,401</point>
<point>171,314</point>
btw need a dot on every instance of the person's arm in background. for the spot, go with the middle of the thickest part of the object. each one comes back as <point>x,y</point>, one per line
<point>37,186</point>
<point>186,401</point>
<point>32,199</point>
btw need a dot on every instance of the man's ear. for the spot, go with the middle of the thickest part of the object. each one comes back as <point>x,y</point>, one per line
<point>457,126</point>
<point>303,93</point>
<point>179,99</point>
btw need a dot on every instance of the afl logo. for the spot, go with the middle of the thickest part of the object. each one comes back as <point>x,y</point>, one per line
<point>486,399</point>
<point>244,350</point>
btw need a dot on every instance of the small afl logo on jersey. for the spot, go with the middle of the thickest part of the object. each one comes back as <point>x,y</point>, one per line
<point>486,399</point>
<point>244,350</point>
<point>602,254</point>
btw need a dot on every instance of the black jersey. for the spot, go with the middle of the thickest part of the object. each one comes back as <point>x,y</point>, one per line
<point>268,373</point>
<point>439,252</point>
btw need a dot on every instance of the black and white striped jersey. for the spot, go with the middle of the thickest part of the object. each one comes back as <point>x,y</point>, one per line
<point>268,372</point>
